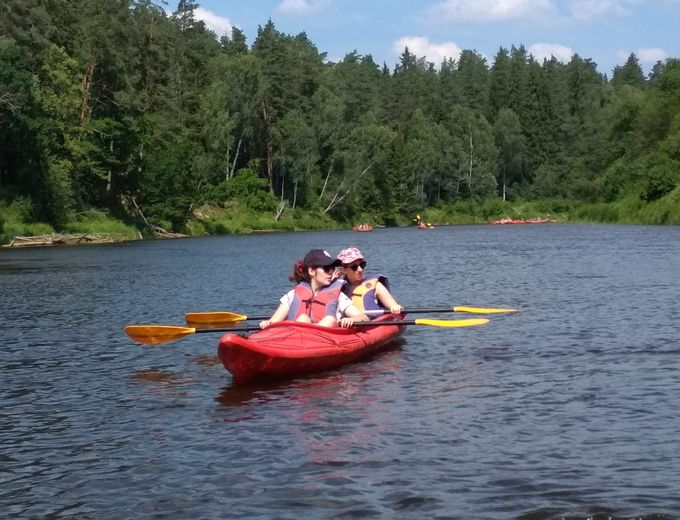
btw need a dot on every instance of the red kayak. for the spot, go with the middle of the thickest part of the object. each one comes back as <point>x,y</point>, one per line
<point>362,227</point>
<point>290,348</point>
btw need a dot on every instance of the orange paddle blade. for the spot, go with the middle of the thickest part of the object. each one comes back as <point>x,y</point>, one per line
<point>155,334</point>
<point>206,319</point>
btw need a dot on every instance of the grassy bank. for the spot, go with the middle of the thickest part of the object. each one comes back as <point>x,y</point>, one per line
<point>632,210</point>
<point>15,221</point>
<point>494,209</point>
<point>15,218</point>
<point>209,220</point>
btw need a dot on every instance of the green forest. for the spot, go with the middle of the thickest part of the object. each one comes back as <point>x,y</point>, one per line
<point>117,116</point>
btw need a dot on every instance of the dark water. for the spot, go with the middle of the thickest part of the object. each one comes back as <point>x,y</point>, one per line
<point>569,409</point>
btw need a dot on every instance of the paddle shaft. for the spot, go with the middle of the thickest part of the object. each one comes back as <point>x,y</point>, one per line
<point>425,321</point>
<point>471,310</point>
<point>380,312</point>
<point>198,319</point>
<point>356,324</point>
<point>155,334</point>
<point>428,322</point>
<point>230,329</point>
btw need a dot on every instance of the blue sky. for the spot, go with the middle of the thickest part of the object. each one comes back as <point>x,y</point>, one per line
<point>606,31</point>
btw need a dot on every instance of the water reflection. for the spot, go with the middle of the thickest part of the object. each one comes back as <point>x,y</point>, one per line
<point>323,386</point>
<point>335,426</point>
<point>156,375</point>
<point>163,382</point>
<point>312,401</point>
<point>207,361</point>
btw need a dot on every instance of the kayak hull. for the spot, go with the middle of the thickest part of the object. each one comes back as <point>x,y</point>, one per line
<point>290,348</point>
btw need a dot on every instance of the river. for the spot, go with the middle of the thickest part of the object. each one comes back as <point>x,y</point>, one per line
<point>568,409</point>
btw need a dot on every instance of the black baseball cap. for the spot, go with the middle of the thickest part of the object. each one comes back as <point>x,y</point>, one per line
<point>320,258</point>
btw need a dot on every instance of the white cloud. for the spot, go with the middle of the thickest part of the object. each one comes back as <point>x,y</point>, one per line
<point>422,46</point>
<point>586,10</point>
<point>541,51</point>
<point>651,55</point>
<point>462,11</point>
<point>218,24</point>
<point>647,57</point>
<point>301,7</point>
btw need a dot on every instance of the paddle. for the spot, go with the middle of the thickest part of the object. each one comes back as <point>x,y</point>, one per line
<point>210,318</point>
<point>155,334</point>
<point>207,319</point>
<point>471,310</point>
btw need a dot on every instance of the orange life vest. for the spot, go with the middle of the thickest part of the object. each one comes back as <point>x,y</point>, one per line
<point>363,295</point>
<point>324,303</point>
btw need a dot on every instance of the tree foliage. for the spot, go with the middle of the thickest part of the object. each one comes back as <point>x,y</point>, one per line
<point>116,104</point>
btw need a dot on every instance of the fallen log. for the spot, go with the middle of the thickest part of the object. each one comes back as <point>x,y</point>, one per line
<point>57,239</point>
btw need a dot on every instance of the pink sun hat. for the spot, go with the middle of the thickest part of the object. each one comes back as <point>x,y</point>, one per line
<point>349,255</point>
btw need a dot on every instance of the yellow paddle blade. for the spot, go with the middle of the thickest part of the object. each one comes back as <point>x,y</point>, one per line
<point>452,323</point>
<point>155,334</point>
<point>478,310</point>
<point>205,319</point>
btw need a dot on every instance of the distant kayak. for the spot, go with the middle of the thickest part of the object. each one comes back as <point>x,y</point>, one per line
<point>523,221</point>
<point>291,348</point>
<point>362,227</point>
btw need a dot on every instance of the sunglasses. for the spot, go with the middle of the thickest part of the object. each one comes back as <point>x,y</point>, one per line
<point>326,268</point>
<point>354,267</point>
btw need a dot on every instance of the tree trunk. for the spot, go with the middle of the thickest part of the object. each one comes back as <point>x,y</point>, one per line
<point>295,188</point>
<point>270,148</point>
<point>282,203</point>
<point>337,198</point>
<point>459,174</point>
<point>109,177</point>
<point>87,83</point>
<point>325,183</point>
<point>471,157</point>
<point>233,165</point>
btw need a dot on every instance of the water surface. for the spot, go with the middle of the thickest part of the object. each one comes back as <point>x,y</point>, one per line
<point>564,410</point>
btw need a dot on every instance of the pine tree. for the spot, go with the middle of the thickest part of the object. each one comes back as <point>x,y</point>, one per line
<point>499,83</point>
<point>629,74</point>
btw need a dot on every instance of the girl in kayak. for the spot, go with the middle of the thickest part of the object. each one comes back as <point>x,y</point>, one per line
<point>370,293</point>
<point>317,298</point>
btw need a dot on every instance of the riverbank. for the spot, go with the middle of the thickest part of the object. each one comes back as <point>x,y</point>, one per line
<point>98,228</point>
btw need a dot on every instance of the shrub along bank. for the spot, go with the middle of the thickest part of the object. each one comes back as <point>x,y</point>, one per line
<point>240,219</point>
